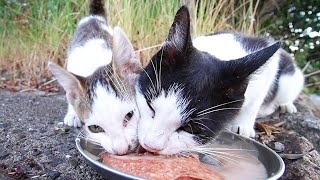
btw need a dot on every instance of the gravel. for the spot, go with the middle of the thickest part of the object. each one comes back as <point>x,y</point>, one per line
<point>34,144</point>
<point>30,147</point>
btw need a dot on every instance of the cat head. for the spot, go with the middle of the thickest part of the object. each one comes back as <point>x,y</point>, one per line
<point>105,101</point>
<point>186,96</point>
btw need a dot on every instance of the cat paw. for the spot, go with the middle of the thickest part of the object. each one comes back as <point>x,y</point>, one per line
<point>290,108</point>
<point>246,131</point>
<point>72,120</point>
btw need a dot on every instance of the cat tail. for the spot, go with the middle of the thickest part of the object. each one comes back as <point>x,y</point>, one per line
<point>96,7</point>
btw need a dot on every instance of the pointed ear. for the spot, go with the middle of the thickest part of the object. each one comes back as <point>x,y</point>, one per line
<point>124,59</point>
<point>72,84</point>
<point>179,38</point>
<point>243,67</point>
<point>235,73</point>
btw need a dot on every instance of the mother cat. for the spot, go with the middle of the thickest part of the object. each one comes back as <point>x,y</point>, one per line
<point>191,90</point>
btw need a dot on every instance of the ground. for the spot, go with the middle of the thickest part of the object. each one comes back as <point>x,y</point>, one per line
<point>29,141</point>
<point>31,146</point>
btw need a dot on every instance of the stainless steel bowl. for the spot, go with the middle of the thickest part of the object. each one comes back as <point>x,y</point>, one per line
<point>272,161</point>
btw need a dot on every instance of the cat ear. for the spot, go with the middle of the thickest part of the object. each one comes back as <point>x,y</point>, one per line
<point>235,73</point>
<point>243,67</point>
<point>179,38</point>
<point>124,59</point>
<point>72,84</point>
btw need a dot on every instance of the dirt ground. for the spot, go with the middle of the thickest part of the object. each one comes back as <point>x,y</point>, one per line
<point>31,148</point>
<point>29,145</point>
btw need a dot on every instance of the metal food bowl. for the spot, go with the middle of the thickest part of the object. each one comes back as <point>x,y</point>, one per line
<point>272,161</point>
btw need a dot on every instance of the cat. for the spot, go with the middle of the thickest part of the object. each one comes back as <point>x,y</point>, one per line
<point>192,90</point>
<point>99,82</point>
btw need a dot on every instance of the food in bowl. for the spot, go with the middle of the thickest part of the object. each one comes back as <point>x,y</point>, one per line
<point>158,167</point>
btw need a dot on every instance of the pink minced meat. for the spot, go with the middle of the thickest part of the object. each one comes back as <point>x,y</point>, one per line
<point>161,167</point>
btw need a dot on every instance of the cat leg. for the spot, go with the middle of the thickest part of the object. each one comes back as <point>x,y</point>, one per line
<point>244,122</point>
<point>266,110</point>
<point>71,118</point>
<point>290,86</point>
<point>257,89</point>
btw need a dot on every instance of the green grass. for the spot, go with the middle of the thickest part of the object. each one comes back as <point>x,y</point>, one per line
<point>41,30</point>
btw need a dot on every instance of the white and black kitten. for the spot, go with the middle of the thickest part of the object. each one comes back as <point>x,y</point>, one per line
<point>191,90</point>
<point>102,70</point>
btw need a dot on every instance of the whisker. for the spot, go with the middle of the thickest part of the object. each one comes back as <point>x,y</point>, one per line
<point>201,124</point>
<point>242,139</point>
<point>118,85</point>
<point>217,110</point>
<point>149,78</point>
<point>220,105</point>
<point>117,88</point>
<point>123,87</point>
<point>160,71</point>
<point>156,74</point>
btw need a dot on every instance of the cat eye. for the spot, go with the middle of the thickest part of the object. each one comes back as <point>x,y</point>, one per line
<point>129,115</point>
<point>95,129</point>
<point>153,112</point>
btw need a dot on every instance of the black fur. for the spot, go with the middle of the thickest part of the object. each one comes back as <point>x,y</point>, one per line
<point>286,66</point>
<point>206,80</point>
<point>96,7</point>
<point>90,30</point>
<point>106,77</point>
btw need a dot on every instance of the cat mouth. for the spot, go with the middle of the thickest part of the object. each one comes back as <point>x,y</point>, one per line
<point>141,150</point>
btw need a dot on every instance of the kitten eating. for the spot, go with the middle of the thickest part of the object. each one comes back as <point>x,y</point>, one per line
<point>191,90</point>
<point>102,70</point>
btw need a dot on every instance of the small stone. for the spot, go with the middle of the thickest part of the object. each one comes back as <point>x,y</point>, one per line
<point>35,152</point>
<point>279,147</point>
<point>22,136</point>
<point>32,130</point>
<point>53,174</point>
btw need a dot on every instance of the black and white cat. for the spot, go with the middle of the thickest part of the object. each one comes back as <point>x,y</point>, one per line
<point>191,90</point>
<point>99,84</point>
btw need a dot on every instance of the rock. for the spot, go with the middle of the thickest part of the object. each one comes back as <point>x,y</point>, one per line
<point>315,99</point>
<point>305,166</point>
<point>306,122</point>
<point>279,147</point>
<point>53,174</point>
<point>32,130</point>
<point>35,152</point>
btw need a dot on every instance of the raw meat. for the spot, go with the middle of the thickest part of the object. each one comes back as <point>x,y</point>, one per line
<point>161,167</point>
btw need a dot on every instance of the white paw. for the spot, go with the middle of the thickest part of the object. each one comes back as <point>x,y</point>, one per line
<point>72,119</point>
<point>243,130</point>
<point>290,108</point>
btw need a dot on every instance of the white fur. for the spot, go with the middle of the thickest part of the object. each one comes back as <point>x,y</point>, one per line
<point>109,113</point>
<point>226,47</point>
<point>222,46</point>
<point>84,60</point>
<point>285,96</point>
<point>159,134</point>
<point>71,118</point>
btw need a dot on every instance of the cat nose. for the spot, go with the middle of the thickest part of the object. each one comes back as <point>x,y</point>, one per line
<point>120,147</point>
<point>120,152</point>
